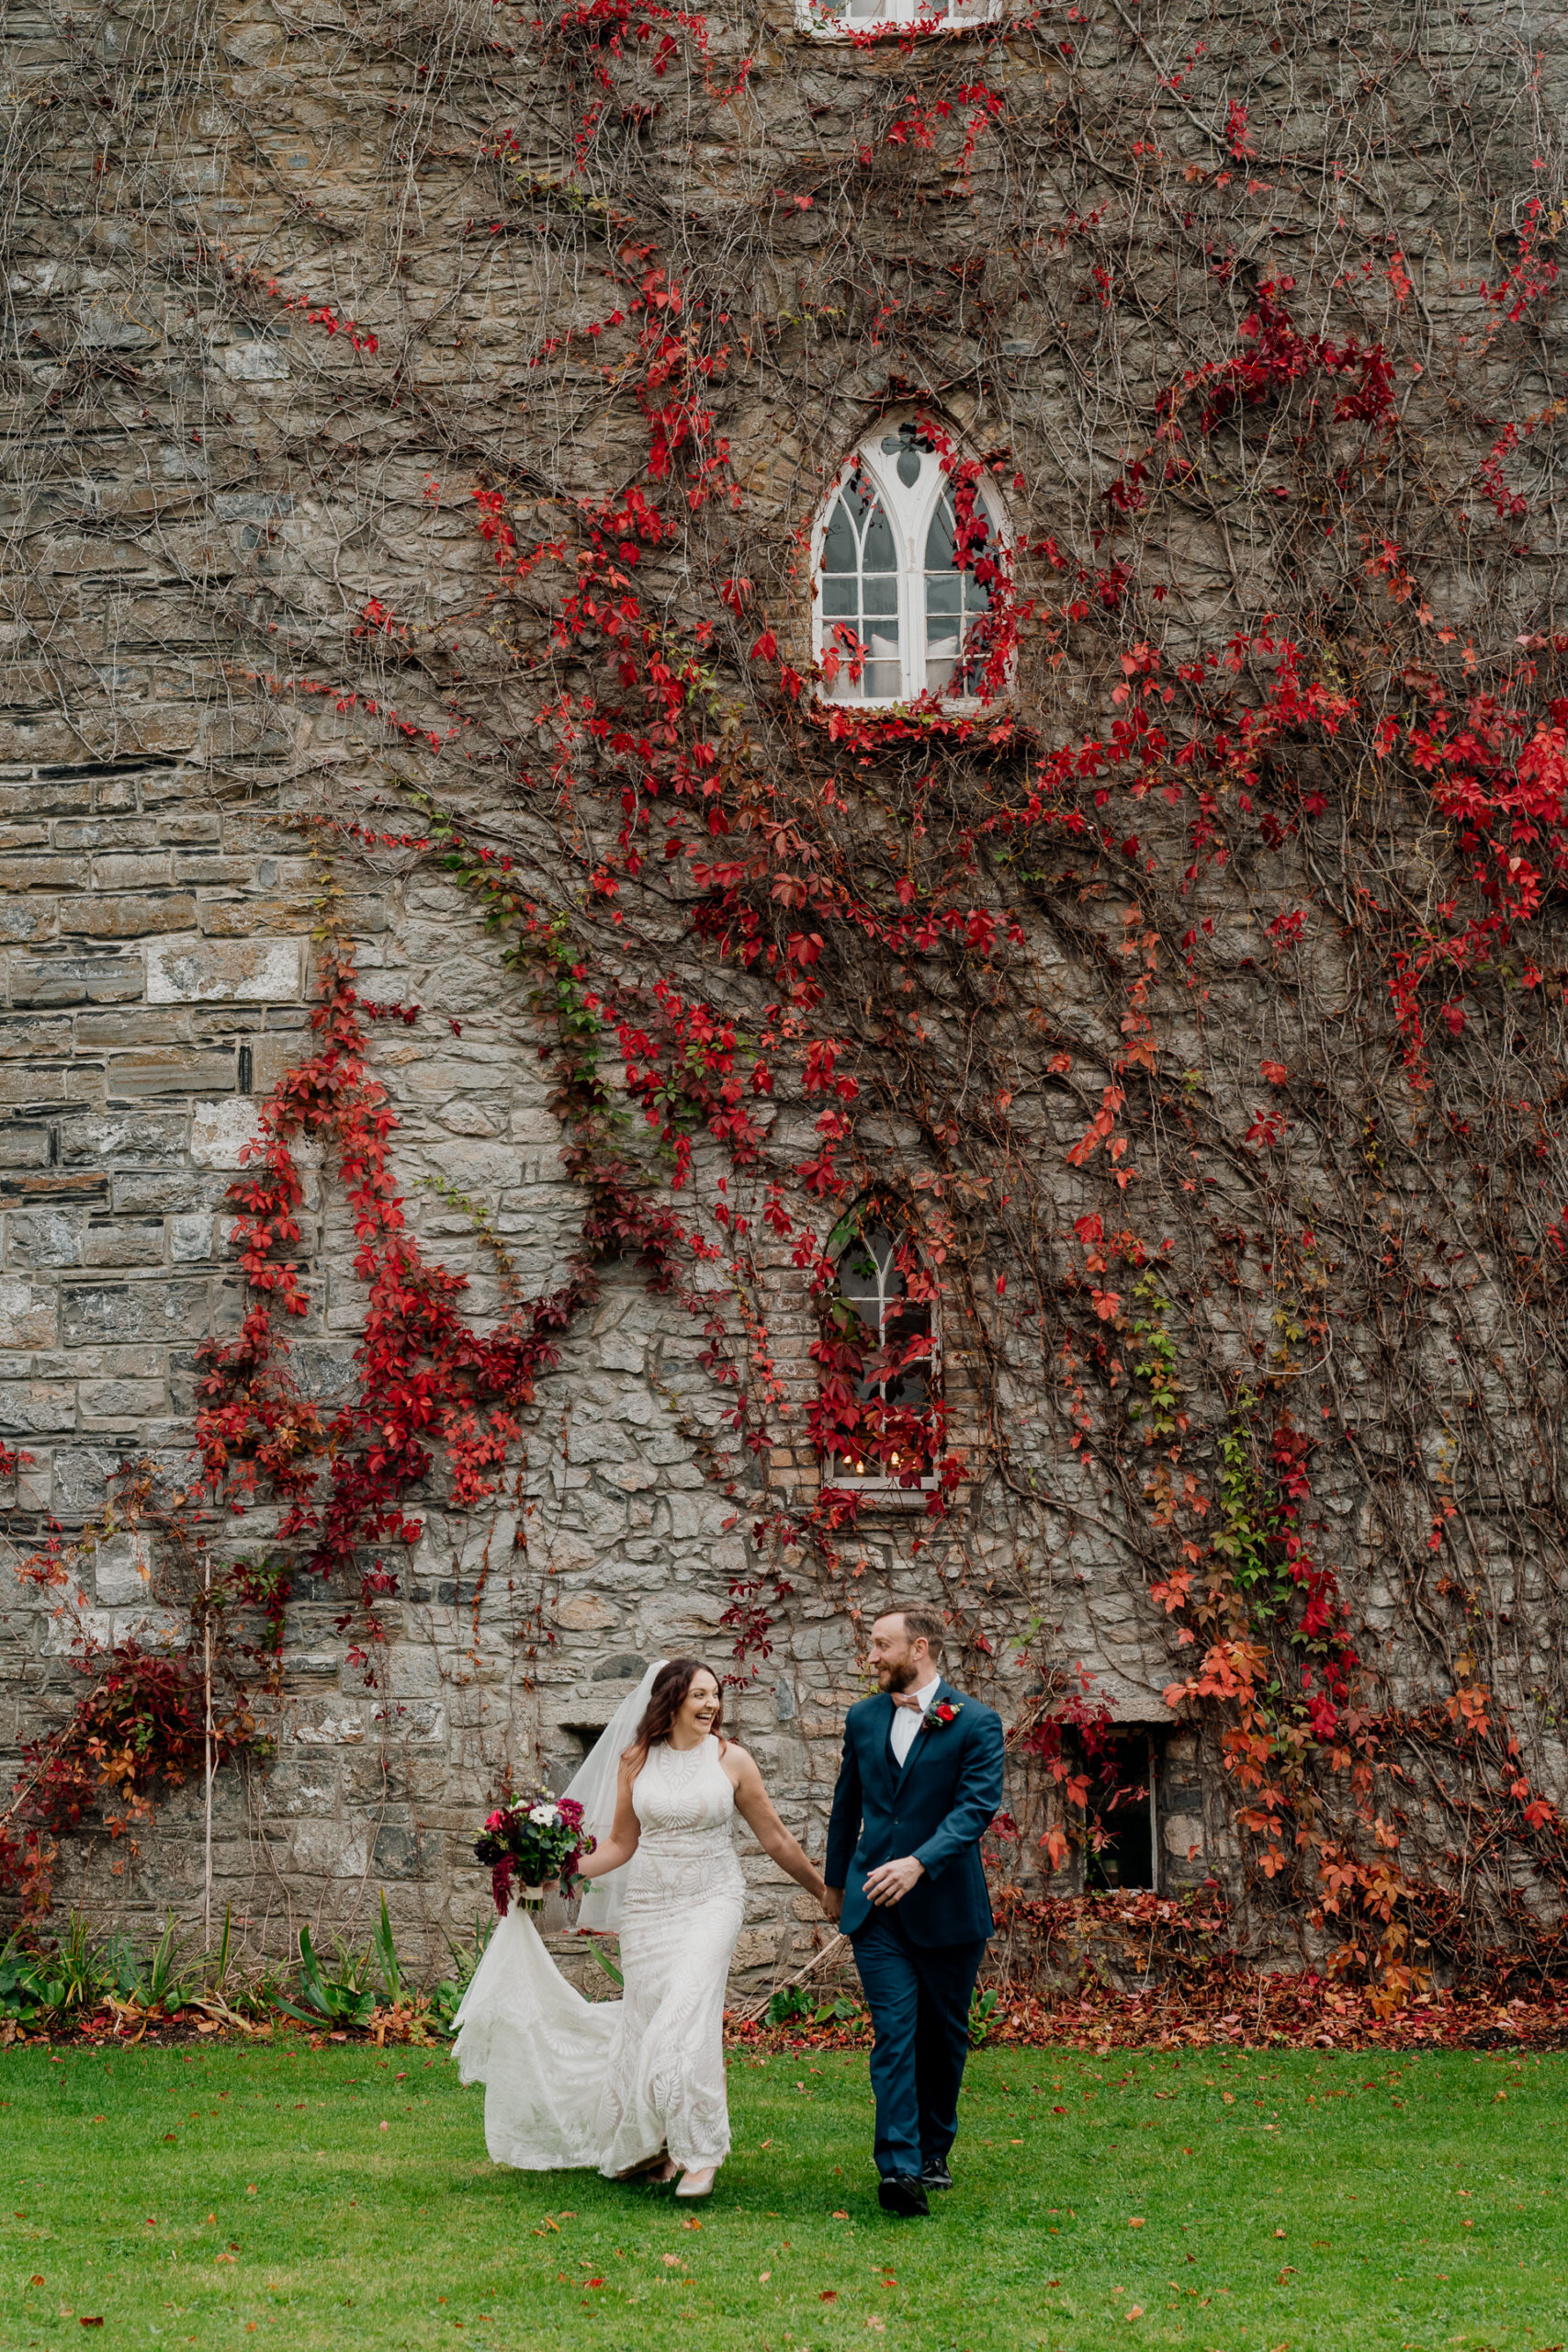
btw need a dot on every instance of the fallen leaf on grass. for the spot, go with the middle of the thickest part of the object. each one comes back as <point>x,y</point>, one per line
<point>672,2261</point>
<point>764,2276</point>
<point>828,2295</point>
<point>37,2278</point>
<point>839,2214</point>
<point>1136,2312</point>
<point>692,2224</point>
<point>876,2322</point>
<point>1135,2222</point>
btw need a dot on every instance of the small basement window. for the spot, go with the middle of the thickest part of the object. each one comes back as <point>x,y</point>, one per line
<point>1123,1845</point>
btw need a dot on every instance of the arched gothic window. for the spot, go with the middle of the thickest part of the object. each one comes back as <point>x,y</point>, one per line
<point>829,18</point>
<point>901,609</point>
<point>878,1358</point>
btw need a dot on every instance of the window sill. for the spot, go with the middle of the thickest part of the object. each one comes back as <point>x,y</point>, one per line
<point>893,1501</point>
<point>868,723</point>
<point>864,36</point>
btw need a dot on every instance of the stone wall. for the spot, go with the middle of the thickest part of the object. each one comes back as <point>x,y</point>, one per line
<point>273,318</point>
<point>160,981</point>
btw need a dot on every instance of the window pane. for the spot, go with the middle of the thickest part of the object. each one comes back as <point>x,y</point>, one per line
<point>943,591</point>
<point>906,1325</point>
<point>941,539</point>
<point>839,547</point>
<point>839,600</point>
<point>882,594</point>
<point>880,552</point>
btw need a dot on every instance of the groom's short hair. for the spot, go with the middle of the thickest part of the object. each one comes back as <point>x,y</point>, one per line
<point>923,1625</point>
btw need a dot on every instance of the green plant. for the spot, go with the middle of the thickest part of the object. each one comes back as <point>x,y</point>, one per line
<point>446,1997</point>
<point>387,1953</point>
<point>166,1984</point>
<point>607,1964</point>
<point>794,2006</point>
<point>341,1999</point>
<point>981,2009</point>
<point>21,1996</point>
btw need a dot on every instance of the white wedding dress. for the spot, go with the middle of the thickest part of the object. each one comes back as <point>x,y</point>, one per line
<point>572,2082</point>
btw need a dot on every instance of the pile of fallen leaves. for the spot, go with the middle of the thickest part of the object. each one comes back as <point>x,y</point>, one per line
<point>1104,1971</point>
<point>1237,2006</point>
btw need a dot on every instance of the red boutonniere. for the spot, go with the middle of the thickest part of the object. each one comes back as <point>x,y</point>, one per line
<point>943,1712</point>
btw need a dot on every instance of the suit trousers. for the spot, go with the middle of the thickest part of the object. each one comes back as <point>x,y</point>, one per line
<point>919,1996</point>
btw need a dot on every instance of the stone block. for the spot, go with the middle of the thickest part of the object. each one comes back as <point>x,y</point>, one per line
<point>131,870</point>
<point>24,1146</point>
<point>27,1313</point>
<point>171,1192</point>
<point>122,1138</point>
<point>584,1612</point>
<point>324,1722</point>
<point>44,1237</point>
<point>36,1037</point>
<point>402,1853</point>
<point>219,1131</point>
<point>121,1402</point>
<point>98,1313</point>
<point>413,1670</point>
<point>1181,1835</point>
<point>40,873</point>
<point>122,1571</point>
<point>190,1240</point>
<point>154,1071</point>
<point>127,917</point>
<point>199,970</point>
<point>116,1242</point>
<point>37,1407</point>
<point>334,1849</point>
<point>28,920</point>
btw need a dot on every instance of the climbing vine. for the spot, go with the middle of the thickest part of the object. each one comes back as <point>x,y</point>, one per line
<point>1191,974</point>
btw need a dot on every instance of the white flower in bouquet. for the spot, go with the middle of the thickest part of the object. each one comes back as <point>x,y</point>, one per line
<point>545,1815</point>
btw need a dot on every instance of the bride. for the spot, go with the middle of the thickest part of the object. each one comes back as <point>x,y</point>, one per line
<point>635,2087</point>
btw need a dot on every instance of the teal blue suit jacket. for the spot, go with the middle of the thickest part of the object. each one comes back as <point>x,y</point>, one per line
<point>937,1808</point>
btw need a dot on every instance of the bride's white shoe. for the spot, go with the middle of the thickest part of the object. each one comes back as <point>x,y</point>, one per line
<point>697,2184</point>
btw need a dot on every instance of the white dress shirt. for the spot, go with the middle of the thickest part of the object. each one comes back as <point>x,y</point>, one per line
<point>907,1724</point>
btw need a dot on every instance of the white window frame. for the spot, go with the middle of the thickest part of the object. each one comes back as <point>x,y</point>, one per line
<point>834,1473</point>
<point>825,23</point>
<point>909,513</point>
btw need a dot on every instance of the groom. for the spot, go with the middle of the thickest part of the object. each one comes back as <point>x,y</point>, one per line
<point>921,1782</point>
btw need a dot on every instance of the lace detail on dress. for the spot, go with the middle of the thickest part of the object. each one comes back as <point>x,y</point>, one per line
<point>685,1901</point>
<point>573,2082</point>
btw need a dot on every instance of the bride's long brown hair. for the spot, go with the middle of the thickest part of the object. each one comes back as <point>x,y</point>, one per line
<point>665,1700</point>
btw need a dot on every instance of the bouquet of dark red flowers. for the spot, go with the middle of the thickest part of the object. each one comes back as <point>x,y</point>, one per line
<point>532,1837</point>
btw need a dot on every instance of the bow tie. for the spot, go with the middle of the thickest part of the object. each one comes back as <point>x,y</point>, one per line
<point>905,1699</point>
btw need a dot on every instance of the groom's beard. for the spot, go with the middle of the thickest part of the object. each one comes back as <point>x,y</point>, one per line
<point>896,1677</point>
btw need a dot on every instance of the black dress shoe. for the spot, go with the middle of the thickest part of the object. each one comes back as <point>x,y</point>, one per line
<point>935,2174</point>
<point>900,2192</point>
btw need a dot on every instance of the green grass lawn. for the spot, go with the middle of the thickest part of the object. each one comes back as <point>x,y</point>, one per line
<point>1230,2200</point>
